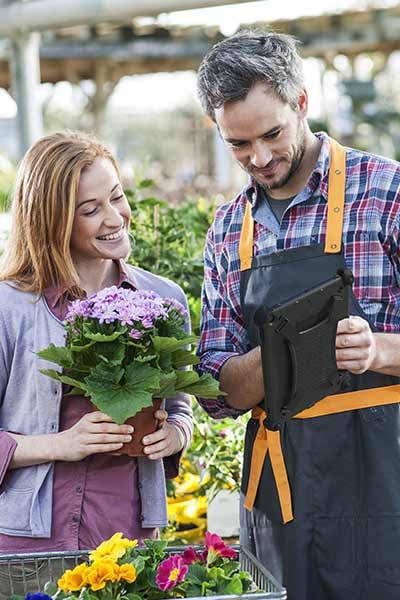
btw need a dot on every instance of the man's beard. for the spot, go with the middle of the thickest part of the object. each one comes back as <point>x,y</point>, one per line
<point>294,165</point>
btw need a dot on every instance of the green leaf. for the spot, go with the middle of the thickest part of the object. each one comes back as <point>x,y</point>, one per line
<point>104,337</point>
<point>185,379</point>
<point>170,344</point>
<point>205,387</point>
<point>184,358</point>
<point>234,586</point>
<point>112,353</point>
<point>122,394</point>
<point>50,588</point>
<point>167,385</point>
<point>57,354</point>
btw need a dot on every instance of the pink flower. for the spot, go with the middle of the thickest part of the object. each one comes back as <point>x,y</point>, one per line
<point>170,572</point>
<point>190,556</point>
<point>217,548</point>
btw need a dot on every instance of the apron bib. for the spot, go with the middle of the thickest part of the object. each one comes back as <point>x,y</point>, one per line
<point>325,466</point>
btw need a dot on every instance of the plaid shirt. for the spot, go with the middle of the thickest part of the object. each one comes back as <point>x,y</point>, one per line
<point>370,240</point>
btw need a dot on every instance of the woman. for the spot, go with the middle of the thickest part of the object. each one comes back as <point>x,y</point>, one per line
<point>63,484</point>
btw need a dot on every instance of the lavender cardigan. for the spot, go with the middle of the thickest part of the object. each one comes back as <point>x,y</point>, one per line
<point>30,404</point>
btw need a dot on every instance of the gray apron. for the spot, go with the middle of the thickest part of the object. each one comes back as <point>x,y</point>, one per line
<point>343,469</point>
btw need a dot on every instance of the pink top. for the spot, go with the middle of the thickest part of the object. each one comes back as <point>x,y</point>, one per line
<point>92,498</point>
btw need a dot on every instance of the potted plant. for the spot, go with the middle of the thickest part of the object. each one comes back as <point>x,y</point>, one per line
<point>125,349</point>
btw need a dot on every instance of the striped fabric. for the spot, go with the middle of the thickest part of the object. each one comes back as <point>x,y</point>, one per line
<point>371,247</point>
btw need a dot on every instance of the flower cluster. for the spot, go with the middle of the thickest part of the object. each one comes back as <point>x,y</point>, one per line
<point>125,347</point>
<point>119,569</point>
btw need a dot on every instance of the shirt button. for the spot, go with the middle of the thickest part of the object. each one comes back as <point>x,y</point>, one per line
<point>75,519</point>
<point>79,489</point>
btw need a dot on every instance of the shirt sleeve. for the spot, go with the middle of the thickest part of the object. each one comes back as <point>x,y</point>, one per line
<point>222,332</point>
<point>7,449</point>
<point>180,413</point>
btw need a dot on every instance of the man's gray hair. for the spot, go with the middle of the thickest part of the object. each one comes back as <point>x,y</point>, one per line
<point>232,67</point>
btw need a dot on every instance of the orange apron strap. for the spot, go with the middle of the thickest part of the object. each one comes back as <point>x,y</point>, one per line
<point>336,197</point>
<point>268,440</point>
<point>260,449</point>
<point>246,239</point>
<point>338,403</point>
<point>280,475</point>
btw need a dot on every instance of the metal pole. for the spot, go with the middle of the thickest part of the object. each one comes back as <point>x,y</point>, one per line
<point>25,81</point>
<point>42,15</point>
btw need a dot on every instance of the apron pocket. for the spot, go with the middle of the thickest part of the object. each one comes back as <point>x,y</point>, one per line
<point>383,551</point>
<point>334,543</point>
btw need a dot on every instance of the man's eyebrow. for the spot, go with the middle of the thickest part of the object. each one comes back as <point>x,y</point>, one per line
<point>93,199</point>
<point>266,133</point>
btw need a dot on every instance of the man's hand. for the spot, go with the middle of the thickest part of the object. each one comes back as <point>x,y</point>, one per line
<point>355,345</point>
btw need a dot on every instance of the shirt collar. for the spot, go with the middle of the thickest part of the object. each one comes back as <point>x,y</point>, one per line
<point>317,179</point>
<point>54,294</point>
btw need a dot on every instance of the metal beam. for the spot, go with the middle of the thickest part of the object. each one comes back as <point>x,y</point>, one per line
<point>41,15</point>
<point>25,71</point>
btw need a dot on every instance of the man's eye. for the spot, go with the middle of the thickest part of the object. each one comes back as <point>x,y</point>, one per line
<point>273,135</point>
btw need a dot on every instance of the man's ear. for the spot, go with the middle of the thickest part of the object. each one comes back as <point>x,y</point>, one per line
<point>302,103</point>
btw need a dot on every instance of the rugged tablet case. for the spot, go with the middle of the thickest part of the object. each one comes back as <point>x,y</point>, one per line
<point>298,348</point>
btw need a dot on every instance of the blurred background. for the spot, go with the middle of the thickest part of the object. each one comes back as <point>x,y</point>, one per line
<point>126,70</point>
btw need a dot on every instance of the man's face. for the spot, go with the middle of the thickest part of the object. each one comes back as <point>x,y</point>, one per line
<point>265,135</point>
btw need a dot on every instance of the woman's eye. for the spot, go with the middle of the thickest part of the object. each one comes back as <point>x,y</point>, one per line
<point>90,212</point>
<point>117,198</point>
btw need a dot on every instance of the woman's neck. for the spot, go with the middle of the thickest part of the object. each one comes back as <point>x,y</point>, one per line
<point>94,277</point>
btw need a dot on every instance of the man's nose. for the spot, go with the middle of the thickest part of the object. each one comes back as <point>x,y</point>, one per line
<point>260,155</point>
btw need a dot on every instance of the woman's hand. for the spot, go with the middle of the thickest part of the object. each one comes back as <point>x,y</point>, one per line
<point>167,440</point>
<point>94,433</point>
<point>355,345</point>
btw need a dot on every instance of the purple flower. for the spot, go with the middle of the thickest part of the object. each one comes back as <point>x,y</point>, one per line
<point>37,596</point>
<point>137,308</point>
<point>170,572</point>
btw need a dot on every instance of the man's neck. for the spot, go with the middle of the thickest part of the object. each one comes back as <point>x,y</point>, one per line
<point>299,180</point>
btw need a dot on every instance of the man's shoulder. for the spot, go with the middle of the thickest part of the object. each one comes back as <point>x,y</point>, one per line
<point>373,161</point>
<point>231,210</point>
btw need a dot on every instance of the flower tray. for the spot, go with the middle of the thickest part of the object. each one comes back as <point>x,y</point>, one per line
<point>34,570</point>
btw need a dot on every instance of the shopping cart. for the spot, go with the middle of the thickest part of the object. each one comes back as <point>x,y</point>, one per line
<point>20,573</point>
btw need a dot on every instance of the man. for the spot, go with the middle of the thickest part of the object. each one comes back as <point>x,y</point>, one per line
<point>325,518</point>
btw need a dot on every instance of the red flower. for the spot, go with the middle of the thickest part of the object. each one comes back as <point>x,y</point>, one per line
<point>216,548</point>
<point>170,572</point>
<point>190,556</point>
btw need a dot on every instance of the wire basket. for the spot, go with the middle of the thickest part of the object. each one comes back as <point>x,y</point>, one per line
<point>20,573</point>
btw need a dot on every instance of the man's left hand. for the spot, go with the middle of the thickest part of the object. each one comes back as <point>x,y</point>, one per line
<point>355,345</point>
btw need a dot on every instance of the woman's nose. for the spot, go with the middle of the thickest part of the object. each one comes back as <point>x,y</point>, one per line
<point>113,217</point>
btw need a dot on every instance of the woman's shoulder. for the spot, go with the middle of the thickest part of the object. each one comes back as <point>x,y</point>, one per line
<point>157,283</point>
<point>13,299</point>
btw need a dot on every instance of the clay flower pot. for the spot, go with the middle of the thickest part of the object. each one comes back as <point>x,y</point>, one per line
<point>143,423</point>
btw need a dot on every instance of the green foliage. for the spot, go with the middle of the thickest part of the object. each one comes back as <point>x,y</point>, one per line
<point>7,177</point>
<point>169,240</point>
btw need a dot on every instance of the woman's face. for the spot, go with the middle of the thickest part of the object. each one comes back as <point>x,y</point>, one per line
<point>102,215</point>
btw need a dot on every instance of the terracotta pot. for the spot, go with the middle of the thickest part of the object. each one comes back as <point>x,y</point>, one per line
<point>143,422</point>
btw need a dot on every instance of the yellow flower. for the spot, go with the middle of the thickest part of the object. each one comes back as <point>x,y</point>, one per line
<point>73,580</point>
<point>127,572</point>
<point>100,572</point>
<point>114,548</point>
